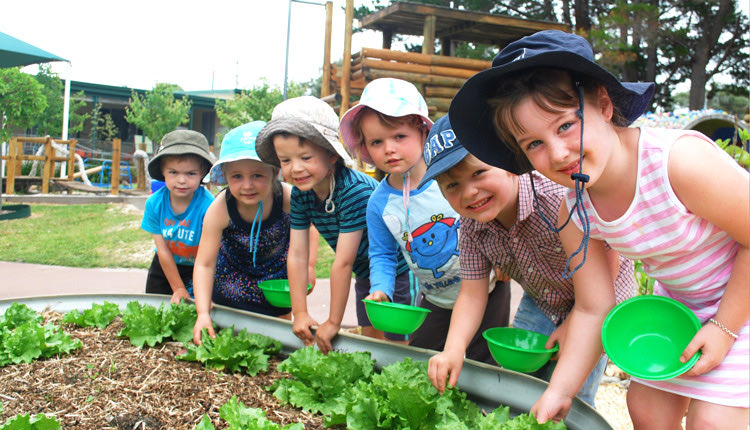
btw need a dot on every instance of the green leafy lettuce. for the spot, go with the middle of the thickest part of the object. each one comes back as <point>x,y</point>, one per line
<point>149,325</point>
<point>98,316</point>
<point>248,352</point>
<point>322,383</point>
<point>23,339</point>
<point>240,417</point>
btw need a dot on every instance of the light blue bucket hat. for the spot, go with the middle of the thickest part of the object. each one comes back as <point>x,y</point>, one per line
<point>238,144</point>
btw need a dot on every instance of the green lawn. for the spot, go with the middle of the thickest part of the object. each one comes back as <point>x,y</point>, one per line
<point>97,235</point>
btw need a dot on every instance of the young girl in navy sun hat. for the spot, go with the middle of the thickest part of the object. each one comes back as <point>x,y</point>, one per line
<point>666,197</point>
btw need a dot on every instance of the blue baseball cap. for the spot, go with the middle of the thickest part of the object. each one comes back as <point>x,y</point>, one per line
<point>471,115</point>
<point>238,144</point>
<point>442,150</point>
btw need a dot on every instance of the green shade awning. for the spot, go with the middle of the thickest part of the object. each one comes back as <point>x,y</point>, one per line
<point>14,52</point>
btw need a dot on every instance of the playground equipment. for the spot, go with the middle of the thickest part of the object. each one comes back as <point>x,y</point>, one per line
<point>47,154</point>
<point>437,76</point>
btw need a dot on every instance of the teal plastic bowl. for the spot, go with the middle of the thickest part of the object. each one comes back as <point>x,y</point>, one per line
<point>395,317</point>
<point>645,336</point>
<point>276,292</point>
<point>518,349</point>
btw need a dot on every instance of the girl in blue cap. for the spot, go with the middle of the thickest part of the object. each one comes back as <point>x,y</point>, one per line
<point>245,232</point>
<point>670,198</point>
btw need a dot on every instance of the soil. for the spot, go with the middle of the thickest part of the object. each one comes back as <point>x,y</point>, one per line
<point>111,384</point>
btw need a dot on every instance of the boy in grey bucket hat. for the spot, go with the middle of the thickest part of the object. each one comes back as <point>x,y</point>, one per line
<point>181,143</point>
<point>174,213</point>
<point>302,139</point>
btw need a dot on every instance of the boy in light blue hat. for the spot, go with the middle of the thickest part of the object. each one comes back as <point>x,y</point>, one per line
<point>245,232</point>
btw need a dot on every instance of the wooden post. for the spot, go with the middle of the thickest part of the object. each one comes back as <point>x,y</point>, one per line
<point>325,84</point>
<point>71,161</point>
<point>49,165</point>
<point>428,45</point>
<point>10,175</point>
<point>115,184</point>
<point>346,71</point>
<point>140,167</point>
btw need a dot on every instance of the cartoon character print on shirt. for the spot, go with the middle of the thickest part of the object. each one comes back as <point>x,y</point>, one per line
<point>434,244</point>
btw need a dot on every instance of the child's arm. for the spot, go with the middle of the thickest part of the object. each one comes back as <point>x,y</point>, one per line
<point>721,196</point>
<point>296,266</point>
<point>312,258</point>
<point>582,347</point>
<point>341,281</point>
<point>169,267</point>
<point>383,253</point>
<point>214,223</point>
<point>465,320</point>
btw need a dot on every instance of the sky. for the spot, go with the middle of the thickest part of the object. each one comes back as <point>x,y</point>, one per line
<point>198,45</point>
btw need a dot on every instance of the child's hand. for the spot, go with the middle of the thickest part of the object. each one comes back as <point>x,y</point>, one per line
<point>203,321</point>
<point>551,406</point>
<point>311,276</point>
<point>325,333</point>
<point>557,337</point>
<point>378,296</point>
<point>714,345</point>
<point>445,366</point>
<point>301,328</point>
<point>179,294</point>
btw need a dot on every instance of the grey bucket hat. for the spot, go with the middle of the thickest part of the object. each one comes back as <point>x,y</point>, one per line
<point>180,142</point>
<point>308,117</point>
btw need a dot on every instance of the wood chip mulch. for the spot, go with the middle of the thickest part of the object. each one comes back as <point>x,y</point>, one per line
<point>111,384</point>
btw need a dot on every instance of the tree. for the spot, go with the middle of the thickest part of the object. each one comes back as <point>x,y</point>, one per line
<point>50,120</point>
<point>157,112</point>
<point>102,125</point>
<point>21,101</point>
<point>255,104</point>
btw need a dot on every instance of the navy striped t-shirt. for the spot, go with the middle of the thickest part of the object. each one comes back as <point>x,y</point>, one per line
<point>352,191</point>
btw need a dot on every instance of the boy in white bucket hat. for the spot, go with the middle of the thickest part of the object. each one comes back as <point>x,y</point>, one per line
<point>302,139</point>
<point>388,128</point>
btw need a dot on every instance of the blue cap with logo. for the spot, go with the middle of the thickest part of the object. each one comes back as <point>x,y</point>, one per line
<point>442,150</point>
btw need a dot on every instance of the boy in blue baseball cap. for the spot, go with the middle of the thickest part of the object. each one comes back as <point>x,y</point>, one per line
<point>503,228</point>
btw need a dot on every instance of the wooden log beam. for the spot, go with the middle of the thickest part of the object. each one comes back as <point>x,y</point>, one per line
<point>10,175</point>
<point>415,78</point>
<point>435,91</point>
<point>418,68</point>
<point>435,60</point>
<point>440,103</point>
<point>48,169</point>
<point>347,58</point>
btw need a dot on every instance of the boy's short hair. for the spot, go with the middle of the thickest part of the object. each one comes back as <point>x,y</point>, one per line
<point>180,143</point>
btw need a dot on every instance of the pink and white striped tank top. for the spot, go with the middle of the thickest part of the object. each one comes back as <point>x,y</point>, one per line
<point>689,258</point>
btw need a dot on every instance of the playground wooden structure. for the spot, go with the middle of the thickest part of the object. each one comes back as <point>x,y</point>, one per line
<point>438,77</point>
<point>15,158</point>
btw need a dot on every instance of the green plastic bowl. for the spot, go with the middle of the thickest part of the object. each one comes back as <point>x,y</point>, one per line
<point>395,317</point>
<point>518,349</point>
<point>277,292</point>
<point>645,336</point>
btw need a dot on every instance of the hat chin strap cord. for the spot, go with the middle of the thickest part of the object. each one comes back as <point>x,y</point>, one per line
<point>255,233</point>
<point>406,180</point>
<point>330,207</point>
<point>579,208</point>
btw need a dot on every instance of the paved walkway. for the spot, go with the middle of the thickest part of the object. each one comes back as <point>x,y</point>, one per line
<point>31,280</point>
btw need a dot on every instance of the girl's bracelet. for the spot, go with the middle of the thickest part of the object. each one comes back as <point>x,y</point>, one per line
<point>723,327</point>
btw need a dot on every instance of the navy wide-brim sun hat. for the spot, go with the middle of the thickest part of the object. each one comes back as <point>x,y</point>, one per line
<point>471,116</point>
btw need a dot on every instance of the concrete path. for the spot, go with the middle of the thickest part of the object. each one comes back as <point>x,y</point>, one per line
<point>19,280</point>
